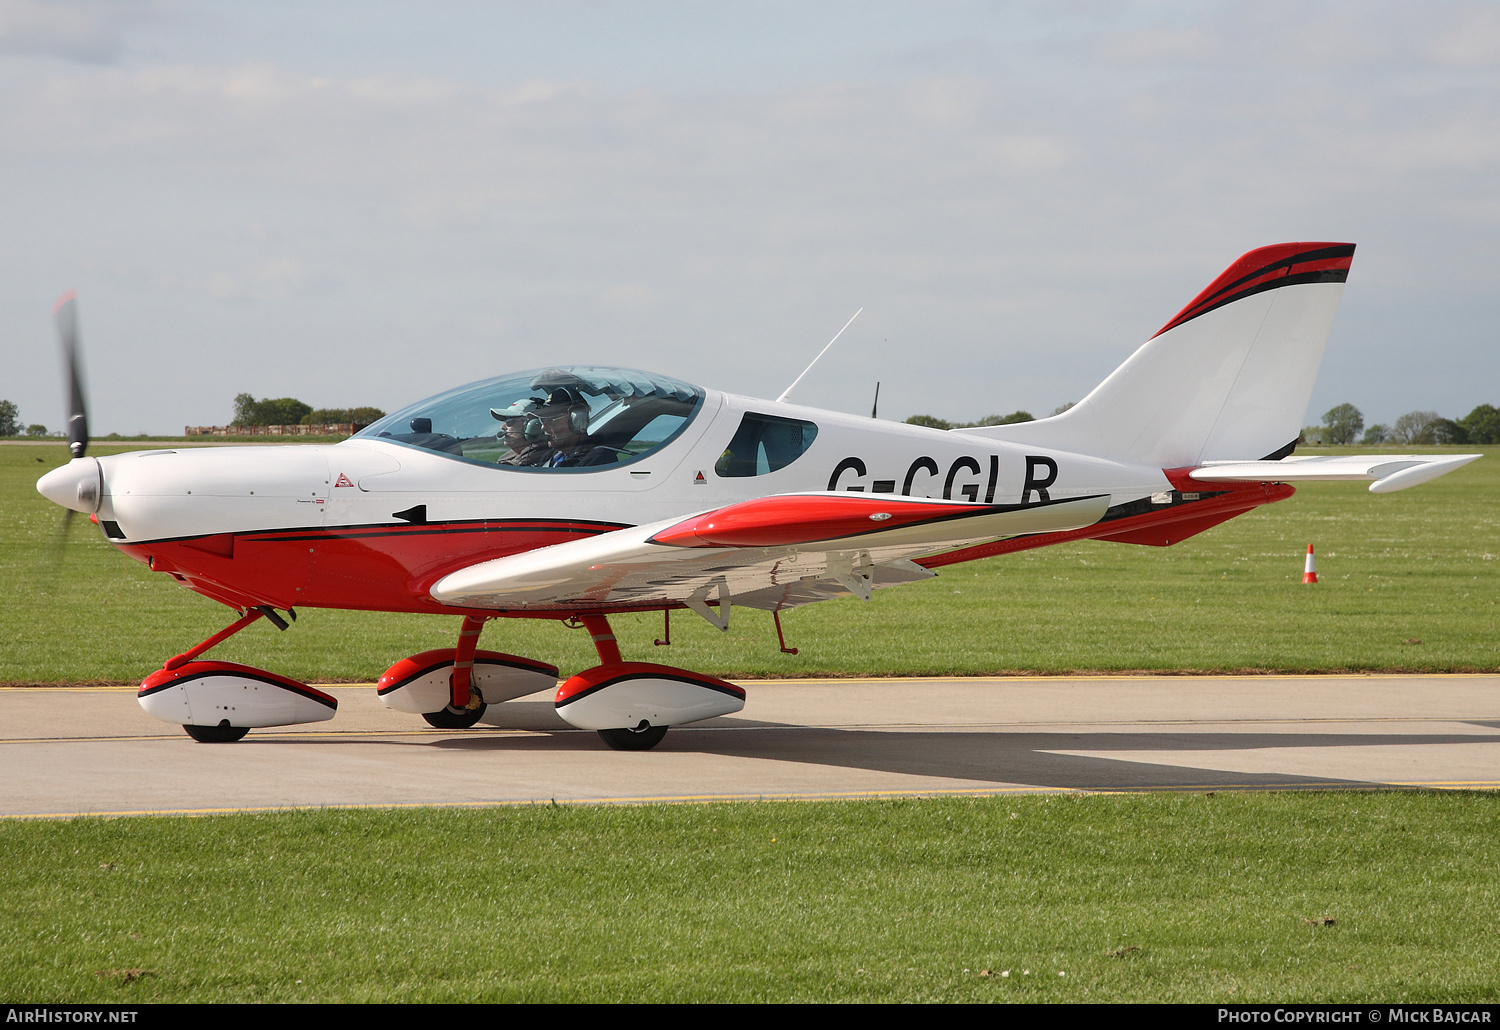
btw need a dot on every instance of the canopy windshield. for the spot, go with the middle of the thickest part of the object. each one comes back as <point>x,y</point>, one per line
<point>571,417</point>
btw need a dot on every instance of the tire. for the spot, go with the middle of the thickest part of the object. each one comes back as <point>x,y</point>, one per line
<point>452,719</point>
<point>220,734</point>
<point>633,740</point>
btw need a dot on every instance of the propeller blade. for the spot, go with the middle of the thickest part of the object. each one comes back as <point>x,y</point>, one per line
<point>60,542</point>
<point>66,313</point>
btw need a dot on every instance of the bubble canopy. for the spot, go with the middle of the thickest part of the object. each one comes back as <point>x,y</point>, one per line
<point>570,418</point>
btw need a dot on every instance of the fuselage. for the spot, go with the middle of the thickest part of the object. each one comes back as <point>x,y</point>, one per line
<point>373,522</point>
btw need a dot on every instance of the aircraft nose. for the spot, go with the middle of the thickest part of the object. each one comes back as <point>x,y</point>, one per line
<point>78,485</point>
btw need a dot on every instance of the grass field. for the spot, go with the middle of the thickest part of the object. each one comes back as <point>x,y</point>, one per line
<point>1264,897</point>
<point>1410,581</point>
<point>1252,897</point>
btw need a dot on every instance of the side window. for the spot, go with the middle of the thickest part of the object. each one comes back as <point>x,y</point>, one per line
<point>763,444</point>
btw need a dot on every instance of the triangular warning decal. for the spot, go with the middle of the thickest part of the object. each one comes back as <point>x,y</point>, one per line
<point>343,481</point>
<point>699,480</point>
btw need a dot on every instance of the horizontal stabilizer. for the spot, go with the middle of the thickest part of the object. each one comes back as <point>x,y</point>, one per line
<point>1390,472</point>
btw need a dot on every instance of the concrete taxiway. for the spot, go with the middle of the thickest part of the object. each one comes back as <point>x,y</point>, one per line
<point>67,751</point>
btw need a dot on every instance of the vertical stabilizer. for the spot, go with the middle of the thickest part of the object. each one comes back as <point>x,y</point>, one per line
<point>1229,377</point>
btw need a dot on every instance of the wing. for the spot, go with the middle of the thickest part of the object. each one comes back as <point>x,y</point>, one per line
<point>1390,472</point>
<point>770,553</point>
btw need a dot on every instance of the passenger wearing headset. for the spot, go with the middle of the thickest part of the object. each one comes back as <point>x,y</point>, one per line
<point>565,420</point>
<point>521,431</point>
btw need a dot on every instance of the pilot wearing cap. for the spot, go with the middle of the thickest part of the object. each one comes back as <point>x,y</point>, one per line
<point>521,431</point>
<point>565,420</point>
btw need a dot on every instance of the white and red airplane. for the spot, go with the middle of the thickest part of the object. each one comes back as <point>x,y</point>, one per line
<point>574,493</point>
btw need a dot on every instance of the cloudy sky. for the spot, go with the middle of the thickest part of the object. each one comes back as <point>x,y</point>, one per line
<point>365,202</point>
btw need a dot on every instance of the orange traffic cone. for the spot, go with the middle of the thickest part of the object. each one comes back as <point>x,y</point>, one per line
<point>1310,570</point>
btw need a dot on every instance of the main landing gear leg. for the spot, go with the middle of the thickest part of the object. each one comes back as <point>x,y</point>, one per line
<point>643,737</point>
<point>465,706</point>
<point>455,687</point>
<point>604,638</point>
<point>631,704</point>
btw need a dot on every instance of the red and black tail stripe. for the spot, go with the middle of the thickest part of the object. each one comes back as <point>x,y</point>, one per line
<point>1270,268</point>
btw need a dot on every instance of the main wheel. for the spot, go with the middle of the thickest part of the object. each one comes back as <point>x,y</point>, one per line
<point>633,740</point>
<point>451,718</point>
<point>220,734</point>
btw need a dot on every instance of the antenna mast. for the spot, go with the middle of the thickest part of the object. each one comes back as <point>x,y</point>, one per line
<point>808,369</point>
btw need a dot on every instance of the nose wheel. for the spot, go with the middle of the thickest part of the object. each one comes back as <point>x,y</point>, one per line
<point>643,739</point>
<point>451,718</point>
<point>220,734</point>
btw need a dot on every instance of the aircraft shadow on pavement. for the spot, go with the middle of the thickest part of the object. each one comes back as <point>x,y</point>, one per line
<point>992,756</point>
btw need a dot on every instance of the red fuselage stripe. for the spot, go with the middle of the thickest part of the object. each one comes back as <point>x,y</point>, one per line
<point>393,568</point>
<point>379,568</point>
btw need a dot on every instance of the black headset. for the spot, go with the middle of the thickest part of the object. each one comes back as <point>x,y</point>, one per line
<point>578,409</point>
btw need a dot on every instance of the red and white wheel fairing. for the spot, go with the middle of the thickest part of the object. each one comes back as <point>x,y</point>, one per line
<point>210,693</point>
<point>420,684</point>
<point>626,694</point>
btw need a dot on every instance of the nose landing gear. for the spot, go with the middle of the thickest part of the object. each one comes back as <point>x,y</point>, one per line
<point>219,702</point>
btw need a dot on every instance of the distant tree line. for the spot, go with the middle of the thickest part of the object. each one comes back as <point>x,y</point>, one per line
<point>11,425</point>
<point>933,422</point>
<point>1343,424</point>
<point>288,411</point>
<point>280,411</point>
